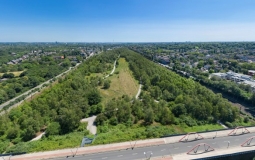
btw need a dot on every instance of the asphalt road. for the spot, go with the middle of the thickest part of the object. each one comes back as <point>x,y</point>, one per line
<point>166,149</point>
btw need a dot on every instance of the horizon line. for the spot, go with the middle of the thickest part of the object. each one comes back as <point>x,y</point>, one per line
<point>124,42</point>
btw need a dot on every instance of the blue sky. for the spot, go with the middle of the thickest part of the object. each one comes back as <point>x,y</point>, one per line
<point>126,20</point>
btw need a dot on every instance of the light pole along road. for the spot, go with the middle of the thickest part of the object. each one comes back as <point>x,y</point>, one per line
<point>166,149</point>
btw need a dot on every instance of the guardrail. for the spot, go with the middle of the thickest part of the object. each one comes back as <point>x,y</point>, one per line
<point>12,154</point>
<point>225,129</point>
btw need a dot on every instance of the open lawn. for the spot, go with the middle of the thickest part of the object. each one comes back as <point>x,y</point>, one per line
<point>16,74</point>
<point>122,83</point>
<point>206,127</point>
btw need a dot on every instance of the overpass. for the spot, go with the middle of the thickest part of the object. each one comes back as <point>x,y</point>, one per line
<point>190,146</point>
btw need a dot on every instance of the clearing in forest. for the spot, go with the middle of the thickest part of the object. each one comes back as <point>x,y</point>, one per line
<point>122,83</point>
<point>16,74</point>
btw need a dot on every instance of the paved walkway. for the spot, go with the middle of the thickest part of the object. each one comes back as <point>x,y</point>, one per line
<point>114,67</point>
<point>38,137</point>
<point>91,127</point>
<point>140,143</point>
<point>139,91</point>
<point>223,125</point>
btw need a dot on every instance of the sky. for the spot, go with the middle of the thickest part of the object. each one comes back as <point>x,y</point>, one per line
<point>127,20</point>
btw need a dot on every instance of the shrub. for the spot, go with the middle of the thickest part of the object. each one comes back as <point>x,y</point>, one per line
<point>106,84</point>
<point>229,124</point>
<point>53,129</point>
<point>246,119</point>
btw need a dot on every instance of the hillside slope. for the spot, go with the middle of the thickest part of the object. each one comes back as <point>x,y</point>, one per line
<point>184,105</point>
<point>122,82</point>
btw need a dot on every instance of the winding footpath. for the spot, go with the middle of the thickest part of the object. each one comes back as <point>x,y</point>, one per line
<point>91,127</point>
<point>114,67</point>
<point>139,91</point>
<point>91,120</point>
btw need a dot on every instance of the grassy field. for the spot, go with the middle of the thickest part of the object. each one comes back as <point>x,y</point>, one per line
<point>16,74</point>
<point>122,83</point>
<point>206,127</point>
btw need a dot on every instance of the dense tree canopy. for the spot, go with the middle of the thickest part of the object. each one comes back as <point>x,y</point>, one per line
<point>166,98</point>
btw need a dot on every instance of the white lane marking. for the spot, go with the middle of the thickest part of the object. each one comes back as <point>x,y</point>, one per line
<point>189,146</point>
<point>163,150</point>
<point>134,154</point>
<point>104,158</point>
<point>120,155</point>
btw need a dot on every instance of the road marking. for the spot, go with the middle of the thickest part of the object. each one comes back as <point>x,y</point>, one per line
<point>189,146</point>
<point>163,150</point>
<point>104,158</point>
<point>176,148</point>
<point>120,155</point>
<point>134,154</point>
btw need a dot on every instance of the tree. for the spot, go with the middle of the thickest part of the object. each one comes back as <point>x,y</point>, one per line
<point>155,79</point>
<point>94,98</point>
<point>11,93</point>
<point>8,75</point>
<point>12,133</point>
<point>29,133</point>
<point>106,84</point>
<point>53,129</point>
<point>69,119</point>
<point>179,109</point>
<point>167,96</point>
<point>101,119</point>
<point>149,116</point>
<point>166,116</point>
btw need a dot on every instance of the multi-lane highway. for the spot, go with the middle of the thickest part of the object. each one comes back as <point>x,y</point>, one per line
<point>166,149</point>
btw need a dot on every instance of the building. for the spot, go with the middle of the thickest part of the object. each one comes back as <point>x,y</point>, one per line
<point>163,59</point>
<point>219,75</point>
<point>251,72</point>
<point>236,77</point>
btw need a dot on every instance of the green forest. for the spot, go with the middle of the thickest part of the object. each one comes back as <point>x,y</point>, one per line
<point>30,74</point>
<point>168,104</point>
